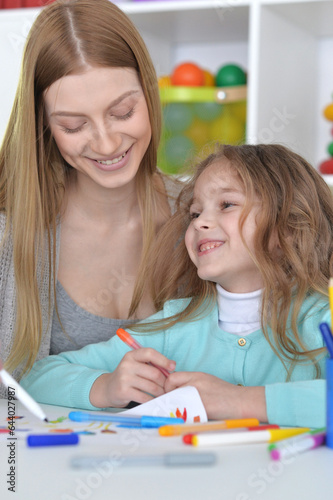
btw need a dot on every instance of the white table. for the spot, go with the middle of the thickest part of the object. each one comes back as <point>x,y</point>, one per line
<point>242,472</point>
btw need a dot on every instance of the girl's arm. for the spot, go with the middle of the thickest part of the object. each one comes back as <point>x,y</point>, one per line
<point>300,403</point>
<point>222,399</point>
<point>68,378</point>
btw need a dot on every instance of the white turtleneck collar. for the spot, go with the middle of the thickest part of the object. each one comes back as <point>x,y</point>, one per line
<point>239,313</point>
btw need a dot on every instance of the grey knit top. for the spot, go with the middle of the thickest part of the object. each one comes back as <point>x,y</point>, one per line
<point>99,328</point>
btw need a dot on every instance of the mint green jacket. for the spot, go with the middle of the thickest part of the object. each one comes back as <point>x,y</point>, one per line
<point>200,345</point>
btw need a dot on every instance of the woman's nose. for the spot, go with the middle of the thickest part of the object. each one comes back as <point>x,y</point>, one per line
<point>105,141</point>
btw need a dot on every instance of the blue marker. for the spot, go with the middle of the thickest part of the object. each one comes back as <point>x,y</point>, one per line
<point>130,420</point>
<point>52,439</point>
<point>327,336</point>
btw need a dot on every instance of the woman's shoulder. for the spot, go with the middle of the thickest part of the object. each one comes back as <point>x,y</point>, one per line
<point>173,186</point>
<point>3,219</point>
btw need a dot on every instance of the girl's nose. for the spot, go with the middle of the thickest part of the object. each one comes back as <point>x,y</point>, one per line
<point>204,221</point>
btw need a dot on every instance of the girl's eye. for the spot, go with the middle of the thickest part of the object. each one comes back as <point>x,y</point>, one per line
<point>226,204</point>
<point>194,215</point>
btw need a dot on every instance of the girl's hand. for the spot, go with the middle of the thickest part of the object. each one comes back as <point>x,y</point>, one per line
<point>133,380</point>
<point>221,399</point>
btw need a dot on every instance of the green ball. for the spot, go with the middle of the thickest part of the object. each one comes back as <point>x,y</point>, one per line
<point>330,149</point>
<point>207,111</point>
<point>178,150</point>
<point>177,117</point>
<point>230,75</point>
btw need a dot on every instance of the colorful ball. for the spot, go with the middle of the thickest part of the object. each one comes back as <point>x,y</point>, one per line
<point>228,129</point>
<point>164,81</point>
<point>188,75</point>
<point>230,75</point>
<point>238,109</point>
<point>177,117</point>
<point>207,111</point>
<point>209,79</point>
<point>199,133</point>
<point>330,149</point>
<point>178,150</point>
<point>328,112</point>
<point>326,167</point>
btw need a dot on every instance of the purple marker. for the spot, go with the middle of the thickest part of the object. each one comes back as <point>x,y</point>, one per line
<point>298,444</point>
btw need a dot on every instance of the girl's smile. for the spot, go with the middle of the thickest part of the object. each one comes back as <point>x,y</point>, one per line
<point>206,246</point>
<point>217,247</point>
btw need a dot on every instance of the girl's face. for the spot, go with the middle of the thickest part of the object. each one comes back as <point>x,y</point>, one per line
<point>213,239</point>
<point>100,122</point>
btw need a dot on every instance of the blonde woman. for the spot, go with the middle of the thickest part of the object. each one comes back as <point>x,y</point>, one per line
<point>251,252</point>
<point>81,198</point>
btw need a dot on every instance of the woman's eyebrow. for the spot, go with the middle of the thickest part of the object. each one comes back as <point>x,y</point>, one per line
<point>111,105</point>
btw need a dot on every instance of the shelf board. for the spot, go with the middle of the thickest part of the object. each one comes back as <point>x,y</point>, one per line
<point>191,21</point>
<point>313,16</point>
<point>178,5</point>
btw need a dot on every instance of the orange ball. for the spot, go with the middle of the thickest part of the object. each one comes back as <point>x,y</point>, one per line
<point>209,79</point>
<point>164,81</point>
<point>328,112</point>
<point>188,75</point>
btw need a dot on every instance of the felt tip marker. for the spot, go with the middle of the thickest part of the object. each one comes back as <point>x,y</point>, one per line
<point>34,440</point>
<point>295,445</point>
<point>20,394</point>
<point>166,460</point>
<point>267,436</point>
<point>187,438</point>
<point>176,430</point>
<point>146,421</point>
<point>327,336</point>
<point>133,344</point>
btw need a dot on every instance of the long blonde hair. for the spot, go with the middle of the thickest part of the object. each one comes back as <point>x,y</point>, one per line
<point>296,205</point>
<point>66,36</point>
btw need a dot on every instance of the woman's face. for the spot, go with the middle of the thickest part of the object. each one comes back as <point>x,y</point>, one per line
<point>99,120</point>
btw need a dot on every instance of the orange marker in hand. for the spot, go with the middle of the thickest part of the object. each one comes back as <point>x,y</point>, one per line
<point>133,344</point>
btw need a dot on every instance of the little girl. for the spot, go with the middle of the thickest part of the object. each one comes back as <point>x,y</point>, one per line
<point>240,281</point>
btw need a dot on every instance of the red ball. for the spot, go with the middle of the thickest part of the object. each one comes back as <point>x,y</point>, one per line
<point>326,167</point>
<point>188,75</point>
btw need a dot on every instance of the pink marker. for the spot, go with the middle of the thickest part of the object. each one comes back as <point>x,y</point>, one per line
<point>298,444</point>
<point>133,344</point>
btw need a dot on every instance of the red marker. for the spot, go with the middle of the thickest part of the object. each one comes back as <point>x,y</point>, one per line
<point>133,344</point>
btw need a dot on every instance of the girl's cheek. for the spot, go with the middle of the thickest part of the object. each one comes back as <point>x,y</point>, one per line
<point>187,239</point>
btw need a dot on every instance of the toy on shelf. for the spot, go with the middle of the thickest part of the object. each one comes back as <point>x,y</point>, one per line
<point>200,108</point>
<point>326,167</point>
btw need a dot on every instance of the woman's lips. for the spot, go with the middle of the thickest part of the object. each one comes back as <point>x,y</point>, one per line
<point>116,163</point>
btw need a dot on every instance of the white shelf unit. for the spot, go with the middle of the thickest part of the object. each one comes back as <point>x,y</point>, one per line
<point>285,46</point>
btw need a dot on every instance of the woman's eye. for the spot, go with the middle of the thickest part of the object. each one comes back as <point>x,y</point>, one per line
<point>126,115</point>
<point>72,130</point>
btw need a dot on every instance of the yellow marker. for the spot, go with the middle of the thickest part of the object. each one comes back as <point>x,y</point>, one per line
<point>227,438</point>
<point>177,430</point>
<point>330,294</point>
